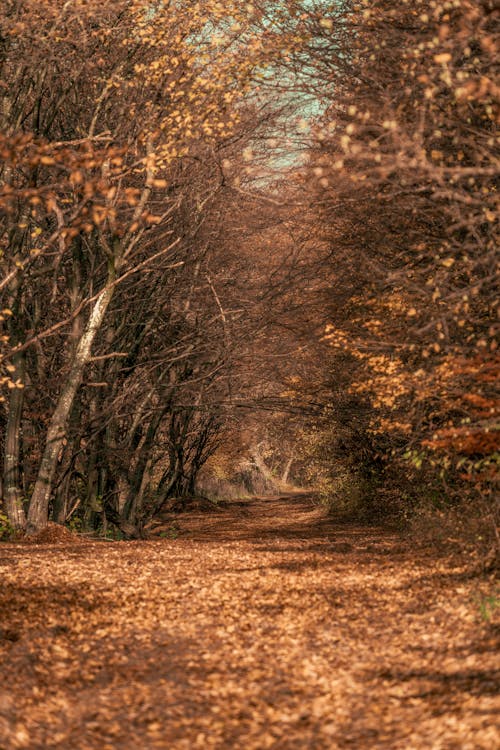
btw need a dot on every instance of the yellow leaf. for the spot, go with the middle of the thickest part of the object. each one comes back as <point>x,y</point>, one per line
<point>443,58</point>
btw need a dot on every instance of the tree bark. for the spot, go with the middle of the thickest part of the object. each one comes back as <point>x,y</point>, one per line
<point>39,505</point>
<point>286,470</point>
<point>12,490</point>
<point>134,499</point>
<point>261,465</point>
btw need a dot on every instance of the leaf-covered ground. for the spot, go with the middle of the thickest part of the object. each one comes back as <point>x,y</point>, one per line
<point>261,626</point>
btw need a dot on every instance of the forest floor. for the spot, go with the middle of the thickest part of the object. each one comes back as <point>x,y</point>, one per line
<point>262,625</point>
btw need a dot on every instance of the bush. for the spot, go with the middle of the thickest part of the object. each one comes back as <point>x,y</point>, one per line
<point>6,529</point>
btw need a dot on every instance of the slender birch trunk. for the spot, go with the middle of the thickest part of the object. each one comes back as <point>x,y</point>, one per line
<point>286,470</point>
<point>262,466</point>
<point>39,505</point>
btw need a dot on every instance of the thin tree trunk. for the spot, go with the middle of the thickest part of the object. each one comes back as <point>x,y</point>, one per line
<point>60,504</point>
<point>134,500</point>
<point>92,473</point>
<point>169,480</point>
<point>12,489</point>
<point>39,505</point>
<point>261,465</point>
<point>286,470</point>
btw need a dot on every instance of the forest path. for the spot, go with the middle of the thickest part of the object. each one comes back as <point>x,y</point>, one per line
<point>264,625</point>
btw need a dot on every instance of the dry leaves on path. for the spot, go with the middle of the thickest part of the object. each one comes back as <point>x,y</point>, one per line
<point>262,626</point>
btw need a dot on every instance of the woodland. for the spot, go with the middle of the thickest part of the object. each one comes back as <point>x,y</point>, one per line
<point>249,296</point>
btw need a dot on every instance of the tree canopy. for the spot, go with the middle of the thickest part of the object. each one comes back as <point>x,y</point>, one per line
<point>244,240</point>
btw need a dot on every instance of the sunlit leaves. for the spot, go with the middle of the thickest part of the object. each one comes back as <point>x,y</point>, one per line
<point>408,152</point>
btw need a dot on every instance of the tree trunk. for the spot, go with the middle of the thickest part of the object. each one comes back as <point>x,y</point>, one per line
<point>262,466</point>
<point>92,473</point>
<point>286,470</point>
<point>134,500</point>
<point>170,479</point>
<point>39,505</point>
<point>60,503</point>
<point>12,490</point>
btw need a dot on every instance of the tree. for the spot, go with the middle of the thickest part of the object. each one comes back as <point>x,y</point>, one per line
<point>102,104</point>
<point>403,177</point>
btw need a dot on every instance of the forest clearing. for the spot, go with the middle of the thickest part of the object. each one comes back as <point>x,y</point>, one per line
<point>263,625</point>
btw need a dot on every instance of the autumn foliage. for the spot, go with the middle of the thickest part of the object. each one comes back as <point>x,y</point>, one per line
<point>405,181</point>
<point>284,208</point>
<point>117,126</point>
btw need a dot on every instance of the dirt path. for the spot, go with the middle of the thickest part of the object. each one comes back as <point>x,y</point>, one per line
<point>262,626</point>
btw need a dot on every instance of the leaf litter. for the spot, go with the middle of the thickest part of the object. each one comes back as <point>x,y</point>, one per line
<point>265,625</point>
